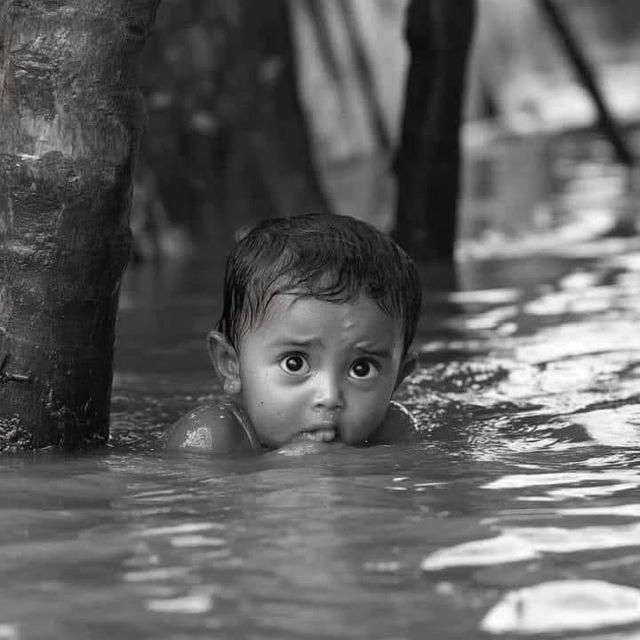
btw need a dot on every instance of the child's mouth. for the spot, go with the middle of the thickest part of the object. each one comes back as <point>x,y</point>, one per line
<point>321,434</point>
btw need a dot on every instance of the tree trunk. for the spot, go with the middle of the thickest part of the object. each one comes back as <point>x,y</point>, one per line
<point>184,65</point>
<point>269,170</point>
<point>70,119</point>
<point>427,166</point>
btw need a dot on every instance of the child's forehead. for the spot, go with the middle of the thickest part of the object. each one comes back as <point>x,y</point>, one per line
<point>290,301</point>
<point>299,310</point>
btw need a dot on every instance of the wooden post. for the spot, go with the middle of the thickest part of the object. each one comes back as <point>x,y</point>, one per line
<point>70,120</point>
<point>427,166</point>
<point>270,170</point>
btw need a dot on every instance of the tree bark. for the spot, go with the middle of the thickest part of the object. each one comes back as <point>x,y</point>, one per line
<point>184,65</point>
<point>439,34</point>
<point>269,169</point>
<point>70,119</point>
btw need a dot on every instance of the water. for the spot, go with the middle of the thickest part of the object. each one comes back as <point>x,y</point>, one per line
<point>527,473</point>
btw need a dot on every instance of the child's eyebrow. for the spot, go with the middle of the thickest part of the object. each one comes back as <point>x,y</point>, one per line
<point>378,352</point>
<point>298,344</point>
<point>293,343</point>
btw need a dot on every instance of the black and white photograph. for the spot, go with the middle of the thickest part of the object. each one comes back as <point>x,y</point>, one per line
<point>319,319</point>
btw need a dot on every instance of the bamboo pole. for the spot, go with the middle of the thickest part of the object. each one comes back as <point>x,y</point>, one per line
<point>587,76</point>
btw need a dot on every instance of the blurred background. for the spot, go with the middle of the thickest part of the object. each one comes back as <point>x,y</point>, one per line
<point>236,90</point>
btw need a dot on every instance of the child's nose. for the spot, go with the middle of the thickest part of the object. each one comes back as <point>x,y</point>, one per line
<point>328,392</point>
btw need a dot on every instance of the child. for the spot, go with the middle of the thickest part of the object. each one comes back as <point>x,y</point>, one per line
<point>319,314</point>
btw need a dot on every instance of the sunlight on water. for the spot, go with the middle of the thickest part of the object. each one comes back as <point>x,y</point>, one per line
<point>562,540</point>
<point>498,550</point>
<point>9,632</point>
<point>563,478</point>
<point>567,605</point>
<point>617,427</point>
<point>193,603</point>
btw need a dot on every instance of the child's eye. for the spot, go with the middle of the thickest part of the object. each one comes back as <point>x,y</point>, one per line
<point>363,370</point>
<point>295,364</point>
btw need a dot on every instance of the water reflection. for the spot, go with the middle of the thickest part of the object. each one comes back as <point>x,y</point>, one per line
<point>526,475</point>
<point>564,605</point>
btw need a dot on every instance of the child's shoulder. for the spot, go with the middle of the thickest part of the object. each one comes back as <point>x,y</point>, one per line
<point>399,424</point>
<point>218,428</point>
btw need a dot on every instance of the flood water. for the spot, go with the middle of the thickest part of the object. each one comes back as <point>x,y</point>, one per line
<point>526,476</point>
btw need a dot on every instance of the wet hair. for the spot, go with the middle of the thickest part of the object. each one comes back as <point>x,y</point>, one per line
<point>323,256</point>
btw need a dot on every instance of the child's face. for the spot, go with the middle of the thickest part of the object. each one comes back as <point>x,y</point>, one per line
<point>319,370</point>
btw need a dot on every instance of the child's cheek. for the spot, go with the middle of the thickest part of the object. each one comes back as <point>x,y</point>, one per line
<point>372,408</point>
<point>278,391</point>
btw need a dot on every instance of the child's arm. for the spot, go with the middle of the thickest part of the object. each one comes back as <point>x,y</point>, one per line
<point>212,428</point>
<point>398,426</point>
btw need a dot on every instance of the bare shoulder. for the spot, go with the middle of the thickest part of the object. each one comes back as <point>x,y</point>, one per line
<point>214,428</point>
<point>399,425</point>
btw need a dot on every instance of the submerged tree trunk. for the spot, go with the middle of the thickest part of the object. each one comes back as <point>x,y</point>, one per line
<point>70,119</point>
<point>427,167</point>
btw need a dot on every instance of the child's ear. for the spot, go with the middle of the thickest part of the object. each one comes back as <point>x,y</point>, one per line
<point>225,361</point>
<point>407,367</point>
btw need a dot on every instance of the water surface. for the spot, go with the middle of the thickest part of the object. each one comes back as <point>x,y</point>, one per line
<point>526,473</point>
